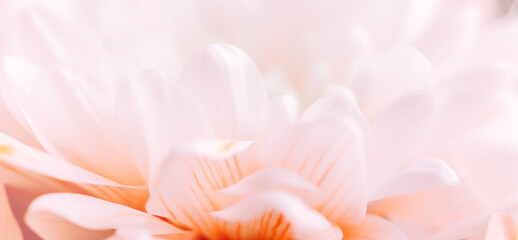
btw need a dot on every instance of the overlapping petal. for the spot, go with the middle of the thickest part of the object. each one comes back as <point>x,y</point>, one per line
<point>62,215</point>
<point>155,115</point>
<point>275,215</point>
<point>329,153</point>
<point>84,107</point>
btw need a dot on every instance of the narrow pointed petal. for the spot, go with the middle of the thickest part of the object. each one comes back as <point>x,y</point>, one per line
<point>282,111</point>
<point>338,105</point>
<point>398,71</point>
<point>229,88</point>
<point>502,227</point>
<point>9,228</point>
<point>275,215</point>
<point>451,38</point>
<point>329,153</point>
<point>41,36</point>
<point>274,179</point>
<point>421,175</point>
<point>88,213</point>
<point>462,99</point>
<point>16,154</point>
<point>407,120</point>
<point>373,228</point>
<point>39,172</point>
<point>156,115</point>
<point>85,109</point>
<point>184,189</point>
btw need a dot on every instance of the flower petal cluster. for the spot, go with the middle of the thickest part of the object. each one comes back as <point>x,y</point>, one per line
<point>405,131</point>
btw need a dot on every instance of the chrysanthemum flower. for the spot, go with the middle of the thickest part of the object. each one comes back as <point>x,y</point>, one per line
<point>305,180</point>
<point>208,155</point>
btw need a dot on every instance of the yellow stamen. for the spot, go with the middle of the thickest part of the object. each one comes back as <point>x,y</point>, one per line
<point>5,149</point>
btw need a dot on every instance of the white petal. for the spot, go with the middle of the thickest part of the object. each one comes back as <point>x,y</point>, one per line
<point>156,115</point>
<point>71,114</point>
<point>229,88</point>
<point>55,214</point>
<point>463,98</point>
<point>407,120</point>
<point>419,176</point>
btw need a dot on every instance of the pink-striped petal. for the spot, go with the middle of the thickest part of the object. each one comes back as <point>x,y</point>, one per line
<point>274,215</point>
<point>330,154</point>
<point>184,191</point>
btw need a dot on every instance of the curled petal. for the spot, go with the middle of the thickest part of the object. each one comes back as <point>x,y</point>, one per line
<point>183,191</point>
<point>55,216</point>
<point>9,228</point>
<point>275,215</point>
<point>421,175</point>
<point>330,154</point>
<point>274,179</point>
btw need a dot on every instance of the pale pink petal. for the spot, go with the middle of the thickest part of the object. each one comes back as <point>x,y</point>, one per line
<point>407,120</point>
<point>341,105</point>
<point>40,36</point>
<point>373,228</point>
<point>81,127</point>
<point>329,153</point>
<point>15,68</point>
<point>274,179</point>
<point>450,38</point>
<point>9,228</point>
<point>39,172</point>
<point>281,112</point>
<point>229,88</point>
<point>275,215</point>
<point>118,58</point>
<point>10,126</point>
<point>88,213</point>
<point>398,71</point>
<point>501,227</point>
<point>17,154</point>
<point>131,234</point>
<point>184,189</point>
<point>155,115</point>
<point>463,98</point>
<point>419,176</point>
<point>487,173</point>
